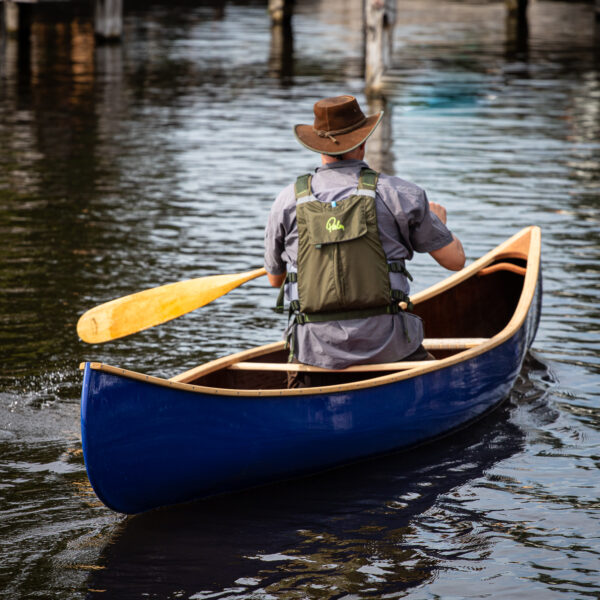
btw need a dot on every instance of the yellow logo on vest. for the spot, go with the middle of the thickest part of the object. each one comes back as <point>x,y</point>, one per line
<point>333,224</point>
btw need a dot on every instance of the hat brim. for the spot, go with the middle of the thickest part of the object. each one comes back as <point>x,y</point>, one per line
<point>346,142</point>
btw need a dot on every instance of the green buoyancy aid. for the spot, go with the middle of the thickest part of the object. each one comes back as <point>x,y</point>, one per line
<point>343,272</point>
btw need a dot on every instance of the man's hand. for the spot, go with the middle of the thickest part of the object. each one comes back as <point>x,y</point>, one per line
<point>439,211</point>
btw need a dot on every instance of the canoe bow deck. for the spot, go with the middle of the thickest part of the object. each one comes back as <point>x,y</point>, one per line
<point>232,424</point>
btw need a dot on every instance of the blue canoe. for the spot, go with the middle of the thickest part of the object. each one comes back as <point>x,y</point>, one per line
<point>232,424</point>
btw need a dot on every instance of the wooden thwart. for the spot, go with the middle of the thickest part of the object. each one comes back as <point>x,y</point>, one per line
<point>292,367</point>
<point>429,344</point>
<point>452,343</point>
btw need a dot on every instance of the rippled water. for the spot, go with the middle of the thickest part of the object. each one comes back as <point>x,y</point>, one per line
<point>128,166</point>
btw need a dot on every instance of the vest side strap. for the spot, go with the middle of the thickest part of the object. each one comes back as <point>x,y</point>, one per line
<point>394,267</point>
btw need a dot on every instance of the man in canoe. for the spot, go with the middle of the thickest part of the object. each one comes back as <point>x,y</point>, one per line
<point>338,240</point>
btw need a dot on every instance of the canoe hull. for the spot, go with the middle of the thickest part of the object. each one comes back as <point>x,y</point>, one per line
<point>147,446</point>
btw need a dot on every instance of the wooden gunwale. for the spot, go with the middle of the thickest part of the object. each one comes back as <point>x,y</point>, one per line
<point>525,245</point>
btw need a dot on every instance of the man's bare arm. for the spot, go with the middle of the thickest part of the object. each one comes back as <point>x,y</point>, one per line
<point>451,256</point>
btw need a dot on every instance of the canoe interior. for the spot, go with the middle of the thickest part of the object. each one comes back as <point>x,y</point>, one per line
<point>478,307</point>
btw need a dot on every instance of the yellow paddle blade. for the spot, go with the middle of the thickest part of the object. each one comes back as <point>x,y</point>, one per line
<point>136,312</point>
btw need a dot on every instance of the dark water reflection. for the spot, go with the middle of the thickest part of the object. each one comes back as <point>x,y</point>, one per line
<point>128,166</point>
<point>376,528</point>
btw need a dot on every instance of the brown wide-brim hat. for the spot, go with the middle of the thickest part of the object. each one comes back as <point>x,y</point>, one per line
<point>340,126</point>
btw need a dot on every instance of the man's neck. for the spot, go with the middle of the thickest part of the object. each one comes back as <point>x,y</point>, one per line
<point>327,160</point>
<point>356,154</point>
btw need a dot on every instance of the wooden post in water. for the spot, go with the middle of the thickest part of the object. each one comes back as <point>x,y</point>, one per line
<point>11,17</point>
<point>517,29</point>
<point>17,18</point>
<point>108,19</point>
<point>379,21</point>
<point>280,11</point>
<point>518,9</point>
<point>17,23</point>
<point>281,51</point>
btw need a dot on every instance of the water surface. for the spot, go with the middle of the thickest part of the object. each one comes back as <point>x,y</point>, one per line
<point>128,166</point>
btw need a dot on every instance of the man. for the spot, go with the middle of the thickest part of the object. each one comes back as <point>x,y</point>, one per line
<point>339,240</point>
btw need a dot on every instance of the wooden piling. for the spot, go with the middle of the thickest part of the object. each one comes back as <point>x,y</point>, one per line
<point>17,24</point>
<point>17,18</point>
<point>517,29</point>
<point>280,11</point>
<point>281,51</point>
<point>11,17</point>
<point>517,8</point>
<point>108,19</point>
<point>379,21</point>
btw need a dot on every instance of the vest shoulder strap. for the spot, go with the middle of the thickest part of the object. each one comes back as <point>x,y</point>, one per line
<point>368,179</point>
<point>302,186</point>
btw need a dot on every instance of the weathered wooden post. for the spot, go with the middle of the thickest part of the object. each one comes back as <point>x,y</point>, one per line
<point>280,10</point>
<point>108,19</point>
<point>17,49</point>
<point>281,50</point>
<point>11,17</point>
<point>379,21</point>
<point>517,8</point>
<point>597,28</point>
<point>17,18</point>
<point>282,38</point>
<point>517,29</point>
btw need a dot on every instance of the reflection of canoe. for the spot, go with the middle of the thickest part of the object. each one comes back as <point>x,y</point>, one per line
<point>231,424</point>
<point>225,541</point>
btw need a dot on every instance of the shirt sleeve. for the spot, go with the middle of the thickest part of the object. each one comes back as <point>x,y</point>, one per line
<point>275,238</point>
<point>427,232</point>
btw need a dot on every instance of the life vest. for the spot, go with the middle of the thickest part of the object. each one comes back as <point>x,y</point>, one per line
<point>343,272</point>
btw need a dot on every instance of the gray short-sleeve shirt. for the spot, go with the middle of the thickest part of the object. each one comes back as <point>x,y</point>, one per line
<point>406,225</point>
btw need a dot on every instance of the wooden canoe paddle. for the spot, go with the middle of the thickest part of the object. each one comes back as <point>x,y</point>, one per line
<point>133,313</point>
